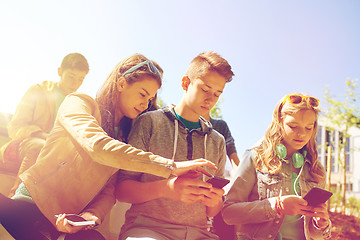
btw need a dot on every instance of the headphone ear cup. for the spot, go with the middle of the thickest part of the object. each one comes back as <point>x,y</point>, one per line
<point>281,151</point>
<point>298,160</point>
<point>304,153</point>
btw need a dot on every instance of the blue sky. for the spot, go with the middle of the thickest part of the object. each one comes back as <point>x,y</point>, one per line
<point>275,47</point>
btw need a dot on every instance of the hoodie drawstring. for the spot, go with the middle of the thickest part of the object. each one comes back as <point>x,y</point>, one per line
<point>205,139</point>
<point>175,138</point>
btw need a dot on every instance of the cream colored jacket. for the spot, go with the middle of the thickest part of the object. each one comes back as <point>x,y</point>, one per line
<point>34,113</point>
<point>73,171</point>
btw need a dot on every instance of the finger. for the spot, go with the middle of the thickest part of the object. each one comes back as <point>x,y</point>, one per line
<point>191,182</point>
<point>203,171</point>
<point>209,164</point>
<point>67,226</point>
<point>211,195</point>
<point>192,198</point>
<point>321,208</point>
<point>218,191</point>
<point>302,202</point>
<point>308,208</point>
<point>59,218</point>
<point>321,215</point>
<point>198,190</point>
<point>191,174</point>
<point>307,213</point>
<point>202,163</point>
<point>60,222</point>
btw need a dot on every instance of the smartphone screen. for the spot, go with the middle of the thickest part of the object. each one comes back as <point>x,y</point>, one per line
<point>317,196</point>
<point>218,182</point>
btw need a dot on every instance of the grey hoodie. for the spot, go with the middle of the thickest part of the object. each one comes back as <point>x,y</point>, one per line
<point>160,132</point>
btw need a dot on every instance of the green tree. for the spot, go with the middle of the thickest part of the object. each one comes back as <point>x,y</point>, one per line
<point>160,102</point>
<point>215,112</point>
<point>354,205</point>
<point>341,115</point>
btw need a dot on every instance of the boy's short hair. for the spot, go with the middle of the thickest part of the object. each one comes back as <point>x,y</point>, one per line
<point>207,62</point>
<point>75,61</point>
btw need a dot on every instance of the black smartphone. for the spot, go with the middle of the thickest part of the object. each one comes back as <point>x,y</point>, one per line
<point>218,182</point>
<point>317,196</point>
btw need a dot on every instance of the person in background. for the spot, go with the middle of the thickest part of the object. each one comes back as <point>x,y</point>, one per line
<point>35,114</point>
<point>265,199</point>
<point>75,171</point>
<point>220,228</point>
<point>178,207</point>
<point>221,126</point>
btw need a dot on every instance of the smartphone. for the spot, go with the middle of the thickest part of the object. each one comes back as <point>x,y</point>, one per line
<point>218,182</point>
<point>317,196</point>
<point>76,220</point>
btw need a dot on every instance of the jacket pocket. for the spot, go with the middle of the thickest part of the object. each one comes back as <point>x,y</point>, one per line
<point>268,185</point>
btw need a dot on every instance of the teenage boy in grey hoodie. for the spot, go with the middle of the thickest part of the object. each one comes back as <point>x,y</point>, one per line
<point>178,207</point>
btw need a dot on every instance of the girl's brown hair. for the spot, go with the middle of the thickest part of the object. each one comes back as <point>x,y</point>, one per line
<point>265,158</point>
<point>108,94</point>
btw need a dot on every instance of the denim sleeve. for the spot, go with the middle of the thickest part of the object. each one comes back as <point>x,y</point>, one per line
<point>313,232</point>
<point>238,208</point>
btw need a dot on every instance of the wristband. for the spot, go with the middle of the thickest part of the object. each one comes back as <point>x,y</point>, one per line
<point>279,206</point>
<point>316,225</point>
<point>171,167</point>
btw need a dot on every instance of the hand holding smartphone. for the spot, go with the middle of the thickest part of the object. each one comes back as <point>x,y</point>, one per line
<point>317,196</point>
<point>76,220</point>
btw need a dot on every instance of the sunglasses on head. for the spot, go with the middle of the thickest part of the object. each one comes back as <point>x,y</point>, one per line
<point>149,64</point>
<point>296,99</point>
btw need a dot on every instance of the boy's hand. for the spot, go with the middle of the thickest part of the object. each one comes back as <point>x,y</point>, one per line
<point>187,189</point>
<point>213,198</point>
<point>193,165</point>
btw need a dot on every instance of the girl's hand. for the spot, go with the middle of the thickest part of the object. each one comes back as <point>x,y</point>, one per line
<point>293,205</point>
<point>196,165</point>
<point>322,216</point>
<point>62,225</point>
<point>90,217</point>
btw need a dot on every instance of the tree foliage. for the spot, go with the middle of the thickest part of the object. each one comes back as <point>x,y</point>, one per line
<point>341,115</point>
<point>215,112</point>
